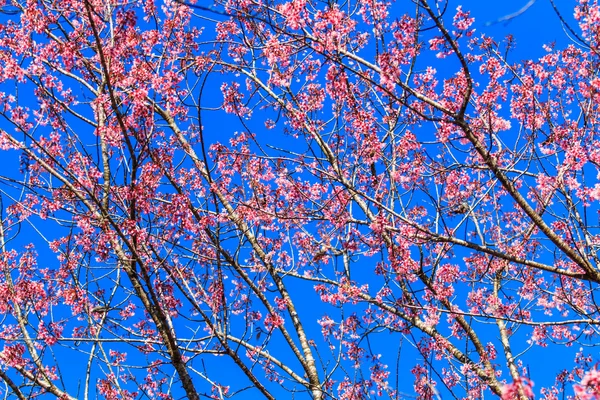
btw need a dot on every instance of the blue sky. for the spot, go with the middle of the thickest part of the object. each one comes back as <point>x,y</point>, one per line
<point>536,26</point>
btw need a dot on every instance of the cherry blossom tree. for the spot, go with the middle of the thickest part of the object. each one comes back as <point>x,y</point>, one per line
<point>295,199</point>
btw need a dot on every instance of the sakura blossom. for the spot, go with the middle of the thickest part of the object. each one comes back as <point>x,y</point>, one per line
<point>299,199</point>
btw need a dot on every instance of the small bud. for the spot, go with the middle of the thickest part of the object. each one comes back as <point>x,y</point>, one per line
<point>101,309</point>
<point>459,209</point>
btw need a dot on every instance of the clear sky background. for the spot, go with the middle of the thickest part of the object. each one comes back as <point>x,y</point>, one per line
<point>536,26</point>
<point>531,29</point>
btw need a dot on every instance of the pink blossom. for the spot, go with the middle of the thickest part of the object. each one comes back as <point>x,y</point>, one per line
<point>522,386</point>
